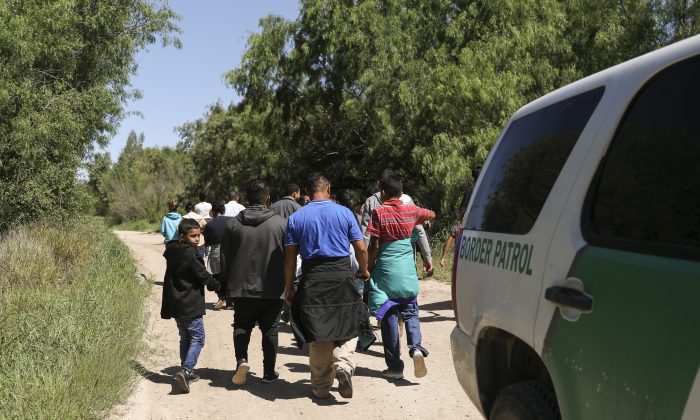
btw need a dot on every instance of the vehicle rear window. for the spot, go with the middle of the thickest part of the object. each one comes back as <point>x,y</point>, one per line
<point>649,187</point>
<point>526,164</point>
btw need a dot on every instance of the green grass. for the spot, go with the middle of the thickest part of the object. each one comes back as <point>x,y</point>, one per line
<point>442,274</point>
<point>138,225</point>
<point>72,316</point>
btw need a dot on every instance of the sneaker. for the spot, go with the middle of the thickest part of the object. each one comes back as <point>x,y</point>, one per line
<point>220,304</point>
<point>419,368</point>
<point>285,316</point>
<point>191,376</point>
<point>390,374</point>
<point>241,375</point>
<point>182,381</point>
<point>344,382</point>
<point>267,378</point>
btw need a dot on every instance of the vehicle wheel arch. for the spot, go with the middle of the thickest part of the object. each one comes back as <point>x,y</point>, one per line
<point>503,359</point>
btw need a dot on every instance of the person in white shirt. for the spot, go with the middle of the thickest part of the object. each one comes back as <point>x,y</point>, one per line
<point>233,207</point>
<point>191,214</point>
<point>203,208</point>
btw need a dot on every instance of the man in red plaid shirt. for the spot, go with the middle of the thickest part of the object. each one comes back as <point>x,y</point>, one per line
<point>393,288</point>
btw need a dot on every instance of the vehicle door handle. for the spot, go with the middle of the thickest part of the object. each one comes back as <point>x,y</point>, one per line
<point>568,297</point>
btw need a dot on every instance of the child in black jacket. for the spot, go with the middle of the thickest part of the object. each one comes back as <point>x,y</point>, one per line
<point>183,297</point>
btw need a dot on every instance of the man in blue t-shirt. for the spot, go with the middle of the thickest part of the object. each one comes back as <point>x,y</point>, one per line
<point>326,306</point>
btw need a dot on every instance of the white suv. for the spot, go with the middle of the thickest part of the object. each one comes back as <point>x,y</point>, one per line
<point>576,277</point>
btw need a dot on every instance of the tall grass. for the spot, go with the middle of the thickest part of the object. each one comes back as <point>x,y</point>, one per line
<point>437,241</point>
<point>71,320</point>
<point>141,225</point>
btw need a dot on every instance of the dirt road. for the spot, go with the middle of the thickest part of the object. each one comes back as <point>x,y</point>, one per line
<point>436,396</point>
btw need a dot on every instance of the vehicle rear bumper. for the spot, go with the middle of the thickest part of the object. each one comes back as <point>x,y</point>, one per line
<point>463,353</point>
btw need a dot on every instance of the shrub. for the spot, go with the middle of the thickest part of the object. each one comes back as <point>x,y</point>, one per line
<point>72,320</point>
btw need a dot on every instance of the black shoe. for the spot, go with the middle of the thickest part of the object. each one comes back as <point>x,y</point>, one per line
<point>191,376</point>
<point>182,381</point>
<point>269,377</point>
<point>285,316</point>
<point>344,382</point>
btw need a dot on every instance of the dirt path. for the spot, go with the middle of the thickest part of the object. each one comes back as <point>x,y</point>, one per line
<point>437,396</point>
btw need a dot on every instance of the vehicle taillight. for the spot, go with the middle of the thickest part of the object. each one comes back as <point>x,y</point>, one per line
<point>455,260</point>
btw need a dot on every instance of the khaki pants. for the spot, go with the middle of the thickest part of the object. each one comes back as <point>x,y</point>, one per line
<point>325,358</point>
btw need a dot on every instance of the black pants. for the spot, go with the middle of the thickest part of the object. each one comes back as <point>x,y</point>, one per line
<point>266,312</point>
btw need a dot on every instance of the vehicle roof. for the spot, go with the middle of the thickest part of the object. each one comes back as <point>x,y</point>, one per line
<point>642,67</point>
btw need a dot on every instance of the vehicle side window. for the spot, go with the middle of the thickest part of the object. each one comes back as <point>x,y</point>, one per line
<point>648,189</point>
<point>526,164</point>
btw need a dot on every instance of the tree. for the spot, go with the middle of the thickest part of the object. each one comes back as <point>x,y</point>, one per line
<point>98,168</point>
<point>143,179</point>
<point>64,76</point>
<point>425,87</point>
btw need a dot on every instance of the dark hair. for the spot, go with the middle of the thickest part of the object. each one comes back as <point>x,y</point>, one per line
<point>317,182</point>
<point>189,206</point>
<point>233,196</point>
<point>219,208</point>
<point>185,226</point>
<point>345,200</point>
<point>385,172</point>
<point>202,197</point>
<point>257,192</point>
<point>172,205</point>
<point>391,184</point>
<point>292,188</point>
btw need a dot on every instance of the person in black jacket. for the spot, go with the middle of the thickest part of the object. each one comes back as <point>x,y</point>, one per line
<point>213,235</point>
<point>252,265</point>
<point>183,297</point>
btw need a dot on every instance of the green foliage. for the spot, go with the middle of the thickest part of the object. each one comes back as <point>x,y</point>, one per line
<point>138,226</point>
<point>64,75</point>
<point>349,88</point>
<point>143,179</point>
<point>221,163</point>
<point>72,313</point>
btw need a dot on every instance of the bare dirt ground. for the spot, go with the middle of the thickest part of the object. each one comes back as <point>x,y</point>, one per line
<point>436,396</point>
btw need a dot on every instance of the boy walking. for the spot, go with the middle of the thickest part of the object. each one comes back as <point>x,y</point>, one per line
<point>393,288</point>
<point>183,297</point>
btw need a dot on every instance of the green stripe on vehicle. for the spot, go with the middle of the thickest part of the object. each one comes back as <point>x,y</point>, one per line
<point>636,355</point>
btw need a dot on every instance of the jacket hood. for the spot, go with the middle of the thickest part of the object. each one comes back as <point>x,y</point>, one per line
<point>254,215</point>
<point>174,249</point>
<point>173,215</point>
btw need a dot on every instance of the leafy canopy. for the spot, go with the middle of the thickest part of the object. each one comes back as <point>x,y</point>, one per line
<point>64,76</point>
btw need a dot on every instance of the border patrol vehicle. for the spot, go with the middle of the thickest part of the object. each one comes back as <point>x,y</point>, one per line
<point>576,277</point>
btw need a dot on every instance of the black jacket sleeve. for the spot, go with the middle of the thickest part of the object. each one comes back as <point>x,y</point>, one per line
<point>200,273</point>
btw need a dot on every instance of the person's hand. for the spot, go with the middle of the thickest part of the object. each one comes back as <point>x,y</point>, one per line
<point>428,267</point>
<point>289,295</point>
<point>442,262</point>
<point>363,273</point>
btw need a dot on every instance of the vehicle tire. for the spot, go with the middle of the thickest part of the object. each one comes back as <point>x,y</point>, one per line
<point>531,400</point>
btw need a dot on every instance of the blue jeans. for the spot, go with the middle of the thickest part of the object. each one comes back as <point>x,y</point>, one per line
<point>390,335</point>
<point>191,341</point>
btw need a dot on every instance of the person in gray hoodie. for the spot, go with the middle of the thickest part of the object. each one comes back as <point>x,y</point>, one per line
<point>252,267</point>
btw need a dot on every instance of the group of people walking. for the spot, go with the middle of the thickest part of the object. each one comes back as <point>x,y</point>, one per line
<point>320,259</point>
